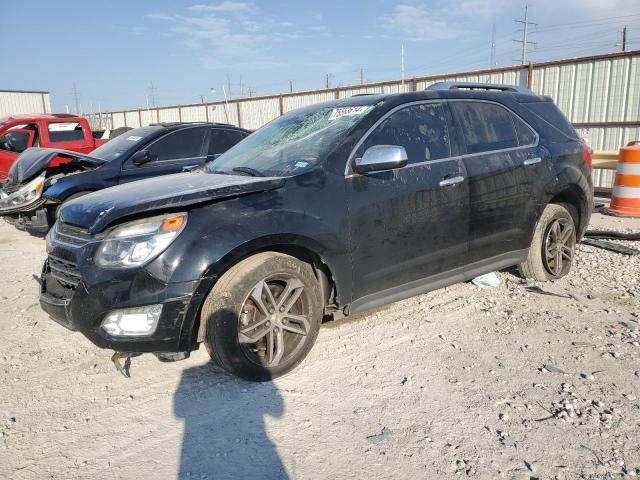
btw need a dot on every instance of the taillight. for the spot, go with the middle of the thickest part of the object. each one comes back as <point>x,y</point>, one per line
<point>586,156</point>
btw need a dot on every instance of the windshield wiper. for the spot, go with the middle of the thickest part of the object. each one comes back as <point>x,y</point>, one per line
<point>249,171</point>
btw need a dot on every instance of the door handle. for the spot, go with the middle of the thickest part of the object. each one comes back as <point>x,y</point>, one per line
<point>451,181</point>
<point>532,161</point>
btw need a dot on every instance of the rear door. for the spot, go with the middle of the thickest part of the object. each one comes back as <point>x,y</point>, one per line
<point>499,189</point>
<point>173,153</point>
<point>411,224</point>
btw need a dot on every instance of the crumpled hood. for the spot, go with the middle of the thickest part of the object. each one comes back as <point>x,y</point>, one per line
<point>33,161</point>
<point>97,210</point>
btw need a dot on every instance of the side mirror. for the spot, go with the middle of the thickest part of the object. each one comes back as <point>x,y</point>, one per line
<point>141,157</point>
<point>381,157</point>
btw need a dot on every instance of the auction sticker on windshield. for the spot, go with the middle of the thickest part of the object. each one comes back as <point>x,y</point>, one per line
<point>346,111</point>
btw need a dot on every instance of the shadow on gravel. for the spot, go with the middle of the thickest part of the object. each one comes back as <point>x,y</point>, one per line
<point>224,430</point>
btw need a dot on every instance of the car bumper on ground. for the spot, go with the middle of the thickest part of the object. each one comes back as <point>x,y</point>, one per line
<point>82,306</point>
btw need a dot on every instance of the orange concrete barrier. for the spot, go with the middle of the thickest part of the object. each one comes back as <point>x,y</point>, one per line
<point>625,198</point>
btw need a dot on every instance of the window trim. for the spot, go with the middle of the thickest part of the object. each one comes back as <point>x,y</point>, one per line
<point>348,171</point>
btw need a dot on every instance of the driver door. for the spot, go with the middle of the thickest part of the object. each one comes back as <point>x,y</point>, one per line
<point>12,144</point>
<point>409,226</point>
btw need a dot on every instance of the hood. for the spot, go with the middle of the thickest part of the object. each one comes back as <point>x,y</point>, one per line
<point>33,161</point>
<point>97,210</point>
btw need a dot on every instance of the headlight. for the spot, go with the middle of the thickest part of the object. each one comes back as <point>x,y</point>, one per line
<point>31,192</point>
<point>136,243</point>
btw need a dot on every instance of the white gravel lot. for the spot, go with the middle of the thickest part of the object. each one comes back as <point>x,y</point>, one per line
<point>499,383</point>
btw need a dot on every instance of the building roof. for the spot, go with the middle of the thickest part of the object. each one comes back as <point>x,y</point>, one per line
<point>2,90</point>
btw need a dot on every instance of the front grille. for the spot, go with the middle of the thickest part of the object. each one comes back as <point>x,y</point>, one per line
<point>69,235</point>
<point>64,271</point>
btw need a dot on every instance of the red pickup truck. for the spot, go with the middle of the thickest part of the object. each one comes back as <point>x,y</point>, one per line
<point>61,131</point>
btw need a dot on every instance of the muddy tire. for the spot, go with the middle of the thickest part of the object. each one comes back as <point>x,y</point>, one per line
<point>263,316</point>
<point>553,245</point>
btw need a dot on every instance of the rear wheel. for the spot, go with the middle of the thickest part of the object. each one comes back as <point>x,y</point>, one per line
<point>263,316</point>
<point>553,245</point>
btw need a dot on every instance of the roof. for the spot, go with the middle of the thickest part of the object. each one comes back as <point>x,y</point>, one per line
<point>23,91</point>
<point>34,116</point>
<point>187,124</point>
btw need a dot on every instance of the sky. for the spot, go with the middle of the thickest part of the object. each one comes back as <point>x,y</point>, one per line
<point>121,54</point>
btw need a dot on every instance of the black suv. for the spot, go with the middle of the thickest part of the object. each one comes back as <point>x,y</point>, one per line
<point>328,210</point>
<point>41,179</point>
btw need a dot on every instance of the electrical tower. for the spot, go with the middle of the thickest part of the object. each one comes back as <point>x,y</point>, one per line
<point>76,97</point>
<point>525,32</point>
<point>153,96</point>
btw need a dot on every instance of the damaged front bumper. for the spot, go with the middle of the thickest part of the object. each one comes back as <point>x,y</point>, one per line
<point>35,218</point>
<point>85,305</point>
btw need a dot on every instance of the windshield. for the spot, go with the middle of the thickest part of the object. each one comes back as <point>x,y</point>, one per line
<point>291,144</point>
<point>122,143</point>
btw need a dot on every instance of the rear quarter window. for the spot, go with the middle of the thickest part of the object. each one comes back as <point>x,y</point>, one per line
<point>65,132</point>
<point>550,114</point>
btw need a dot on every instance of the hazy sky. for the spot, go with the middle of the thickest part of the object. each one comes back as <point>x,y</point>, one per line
<point>114,50</point>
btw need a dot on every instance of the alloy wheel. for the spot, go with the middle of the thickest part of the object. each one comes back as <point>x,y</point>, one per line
<point>559,244</point>
<point>274,320</point>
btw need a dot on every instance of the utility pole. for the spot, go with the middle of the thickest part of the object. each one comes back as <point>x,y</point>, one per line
<point>290,86</point>
<point>624,39</point>
<point>525,43</point>
<point>361,76</point>
<point>326,80</point>
<point>76,96</point>
<point>251,91</point>
<point>402,64</point>
<point>492,62</point>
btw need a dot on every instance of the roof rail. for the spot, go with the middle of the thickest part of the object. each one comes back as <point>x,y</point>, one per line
<point>479,86</point>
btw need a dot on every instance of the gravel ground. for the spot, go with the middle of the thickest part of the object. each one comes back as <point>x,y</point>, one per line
<point>497,383</point>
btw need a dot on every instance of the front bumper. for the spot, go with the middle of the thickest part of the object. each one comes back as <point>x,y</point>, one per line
<point>36,221</point>
<point>80,304</point>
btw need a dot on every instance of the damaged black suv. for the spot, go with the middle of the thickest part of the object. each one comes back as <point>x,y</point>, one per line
<point>328,210</point>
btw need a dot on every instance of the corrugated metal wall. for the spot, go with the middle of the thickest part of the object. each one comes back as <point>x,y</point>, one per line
<point>20,103</point>
<point>600,95</point>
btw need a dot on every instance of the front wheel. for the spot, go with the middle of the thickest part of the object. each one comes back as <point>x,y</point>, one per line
<point>263,316</point>
<point>553,245</point>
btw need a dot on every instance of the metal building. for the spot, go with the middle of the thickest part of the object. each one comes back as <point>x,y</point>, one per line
<point>19,102</point>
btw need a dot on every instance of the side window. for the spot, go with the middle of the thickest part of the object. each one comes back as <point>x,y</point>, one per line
<point>420,129</point>
<point>16,142</point>
<point>485,126</point>
<point>65,132</point>
<point>222,139</point>
<point>525,135</point>
<point>185,143</point>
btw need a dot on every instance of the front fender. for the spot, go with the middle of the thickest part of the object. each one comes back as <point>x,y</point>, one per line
<point>72,184</point>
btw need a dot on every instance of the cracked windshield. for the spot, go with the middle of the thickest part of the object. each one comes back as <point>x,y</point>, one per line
<point>291,144</point>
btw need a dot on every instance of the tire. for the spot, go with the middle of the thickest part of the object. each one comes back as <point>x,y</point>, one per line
<point>556,226</point>
<point>277,333</point>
